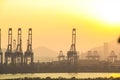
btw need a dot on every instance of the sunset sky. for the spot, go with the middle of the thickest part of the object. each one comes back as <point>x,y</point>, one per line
<point>96,22</point>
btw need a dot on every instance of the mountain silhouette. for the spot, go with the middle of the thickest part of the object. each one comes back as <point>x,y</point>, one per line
<point>44,54</point>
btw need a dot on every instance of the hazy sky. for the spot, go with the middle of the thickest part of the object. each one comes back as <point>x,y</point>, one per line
<point>96,22</point>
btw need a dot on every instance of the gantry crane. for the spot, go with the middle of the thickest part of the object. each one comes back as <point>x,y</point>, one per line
<point>112,57</point>
<point>72,55</point>
<point>93,55</point>
<point>18,55</point>
<point>28,56</point>
<point>61,57</point>
<point>8,53</point>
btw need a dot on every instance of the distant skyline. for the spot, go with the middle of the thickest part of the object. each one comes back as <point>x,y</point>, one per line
<point>52,22</point>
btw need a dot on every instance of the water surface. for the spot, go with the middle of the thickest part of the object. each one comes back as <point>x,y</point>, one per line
<point>56,75</point>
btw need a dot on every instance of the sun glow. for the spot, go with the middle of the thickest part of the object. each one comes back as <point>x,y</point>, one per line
<point>93,19</point>
<point>106,11</point>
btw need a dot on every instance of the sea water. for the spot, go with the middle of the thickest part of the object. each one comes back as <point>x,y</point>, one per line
<point>57,75</point>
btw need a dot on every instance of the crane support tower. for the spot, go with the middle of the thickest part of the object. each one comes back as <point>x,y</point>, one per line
<point>72,55</point>
<point>28,56</point>
<point>8,53</point>
<point>18,55</point>
<point>1,53</point>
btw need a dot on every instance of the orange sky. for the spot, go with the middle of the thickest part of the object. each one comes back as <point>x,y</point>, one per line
<point>52,21</point>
